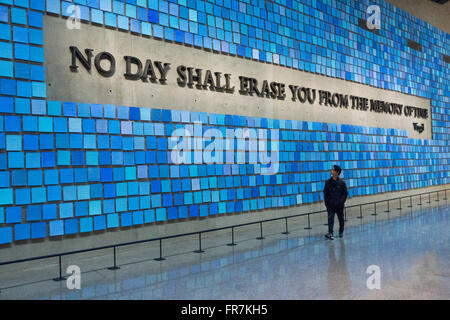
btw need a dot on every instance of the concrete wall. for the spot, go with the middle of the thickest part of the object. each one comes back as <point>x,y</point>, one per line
<point>91,87</point>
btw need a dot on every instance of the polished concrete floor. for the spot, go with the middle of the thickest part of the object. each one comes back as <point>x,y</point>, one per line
<point>408,249</point>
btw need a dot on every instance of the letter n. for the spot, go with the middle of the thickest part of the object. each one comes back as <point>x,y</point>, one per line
<point>86,62</point>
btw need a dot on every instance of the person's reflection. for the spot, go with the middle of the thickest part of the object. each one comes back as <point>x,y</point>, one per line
<point>338,277</point>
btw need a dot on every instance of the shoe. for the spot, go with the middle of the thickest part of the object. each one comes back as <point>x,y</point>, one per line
<point>329,236</point>
<point>341,235</point>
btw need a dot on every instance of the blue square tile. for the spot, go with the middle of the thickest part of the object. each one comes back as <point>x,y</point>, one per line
<point>71,226</point>
<point>46,141</point>
<point>22,231</point>
<point>34,212</point>
<point>54,108</point>
<point>38,230</point>
<point>13,215</point>
<point>48,159</point>
<point>6,235</point>
<point>156,114</point>
<point>13,123</point>
<point>33,160</point>
<point>7,86</point>
<point>30,123</point>
<point>69,109</point>
<point>16,160</point>
<point>78,158</point>
<point>56,228</point>
<point>14,143</point>
<point>135,113</point>
<point>20,34</point>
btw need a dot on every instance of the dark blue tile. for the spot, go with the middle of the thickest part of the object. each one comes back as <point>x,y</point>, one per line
<point>156,114</point>
<point>135,113</point>
<point>153,16</point>
<point>69,109</point>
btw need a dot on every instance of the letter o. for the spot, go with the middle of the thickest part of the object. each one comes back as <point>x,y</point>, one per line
<point>105,56</point>
<point>335,100</point>
<point>299,94</point>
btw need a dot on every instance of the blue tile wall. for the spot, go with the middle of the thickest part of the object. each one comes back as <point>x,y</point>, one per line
<point>68,168</point>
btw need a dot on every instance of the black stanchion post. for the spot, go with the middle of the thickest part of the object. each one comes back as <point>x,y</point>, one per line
<point>445,195</point>
<point>388,207</point>
<point>400,202</point>
<point>309,224</point>
<point>261,233</point>
<point>115,267</point>
<point>410,202</point>
<point>160,252</point>
<point>375,213</point>
<point>199,244</point>
<point>429,197</point>
<point>437,200</point>
<point>345,214</point>
<point>420,200</point>
<point>232,238</point>
<point>60,278</point>
<point>360,212</point>
<point>286,232</point>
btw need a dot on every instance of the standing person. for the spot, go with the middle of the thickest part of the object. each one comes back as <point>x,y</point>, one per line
<point>335,193</point>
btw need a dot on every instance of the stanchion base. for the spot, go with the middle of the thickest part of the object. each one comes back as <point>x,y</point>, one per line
<point>231,244</point>
<point>286,232</point>
<point>410,206</point>
<point>419,204</point>
<point>160,259</point>
<point>399,209</point>
<point>199,251</point>
<point>259,238</point>
<point>374,214</point>
<point>59,279</point>
<point>359,217</point>
<point>388,211</point>
<point>113,268</point>
<point>308,228</point>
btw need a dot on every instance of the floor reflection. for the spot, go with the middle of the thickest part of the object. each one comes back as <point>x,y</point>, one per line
<point>413,247</point>
<point>338,276</point>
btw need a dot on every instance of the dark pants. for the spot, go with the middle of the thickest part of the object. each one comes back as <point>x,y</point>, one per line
<point>340,213</point>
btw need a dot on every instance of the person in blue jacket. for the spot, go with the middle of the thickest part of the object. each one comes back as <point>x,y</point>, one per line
<point>335,193</point>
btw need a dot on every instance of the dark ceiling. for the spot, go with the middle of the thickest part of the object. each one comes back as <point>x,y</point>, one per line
<point>439,1</point>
